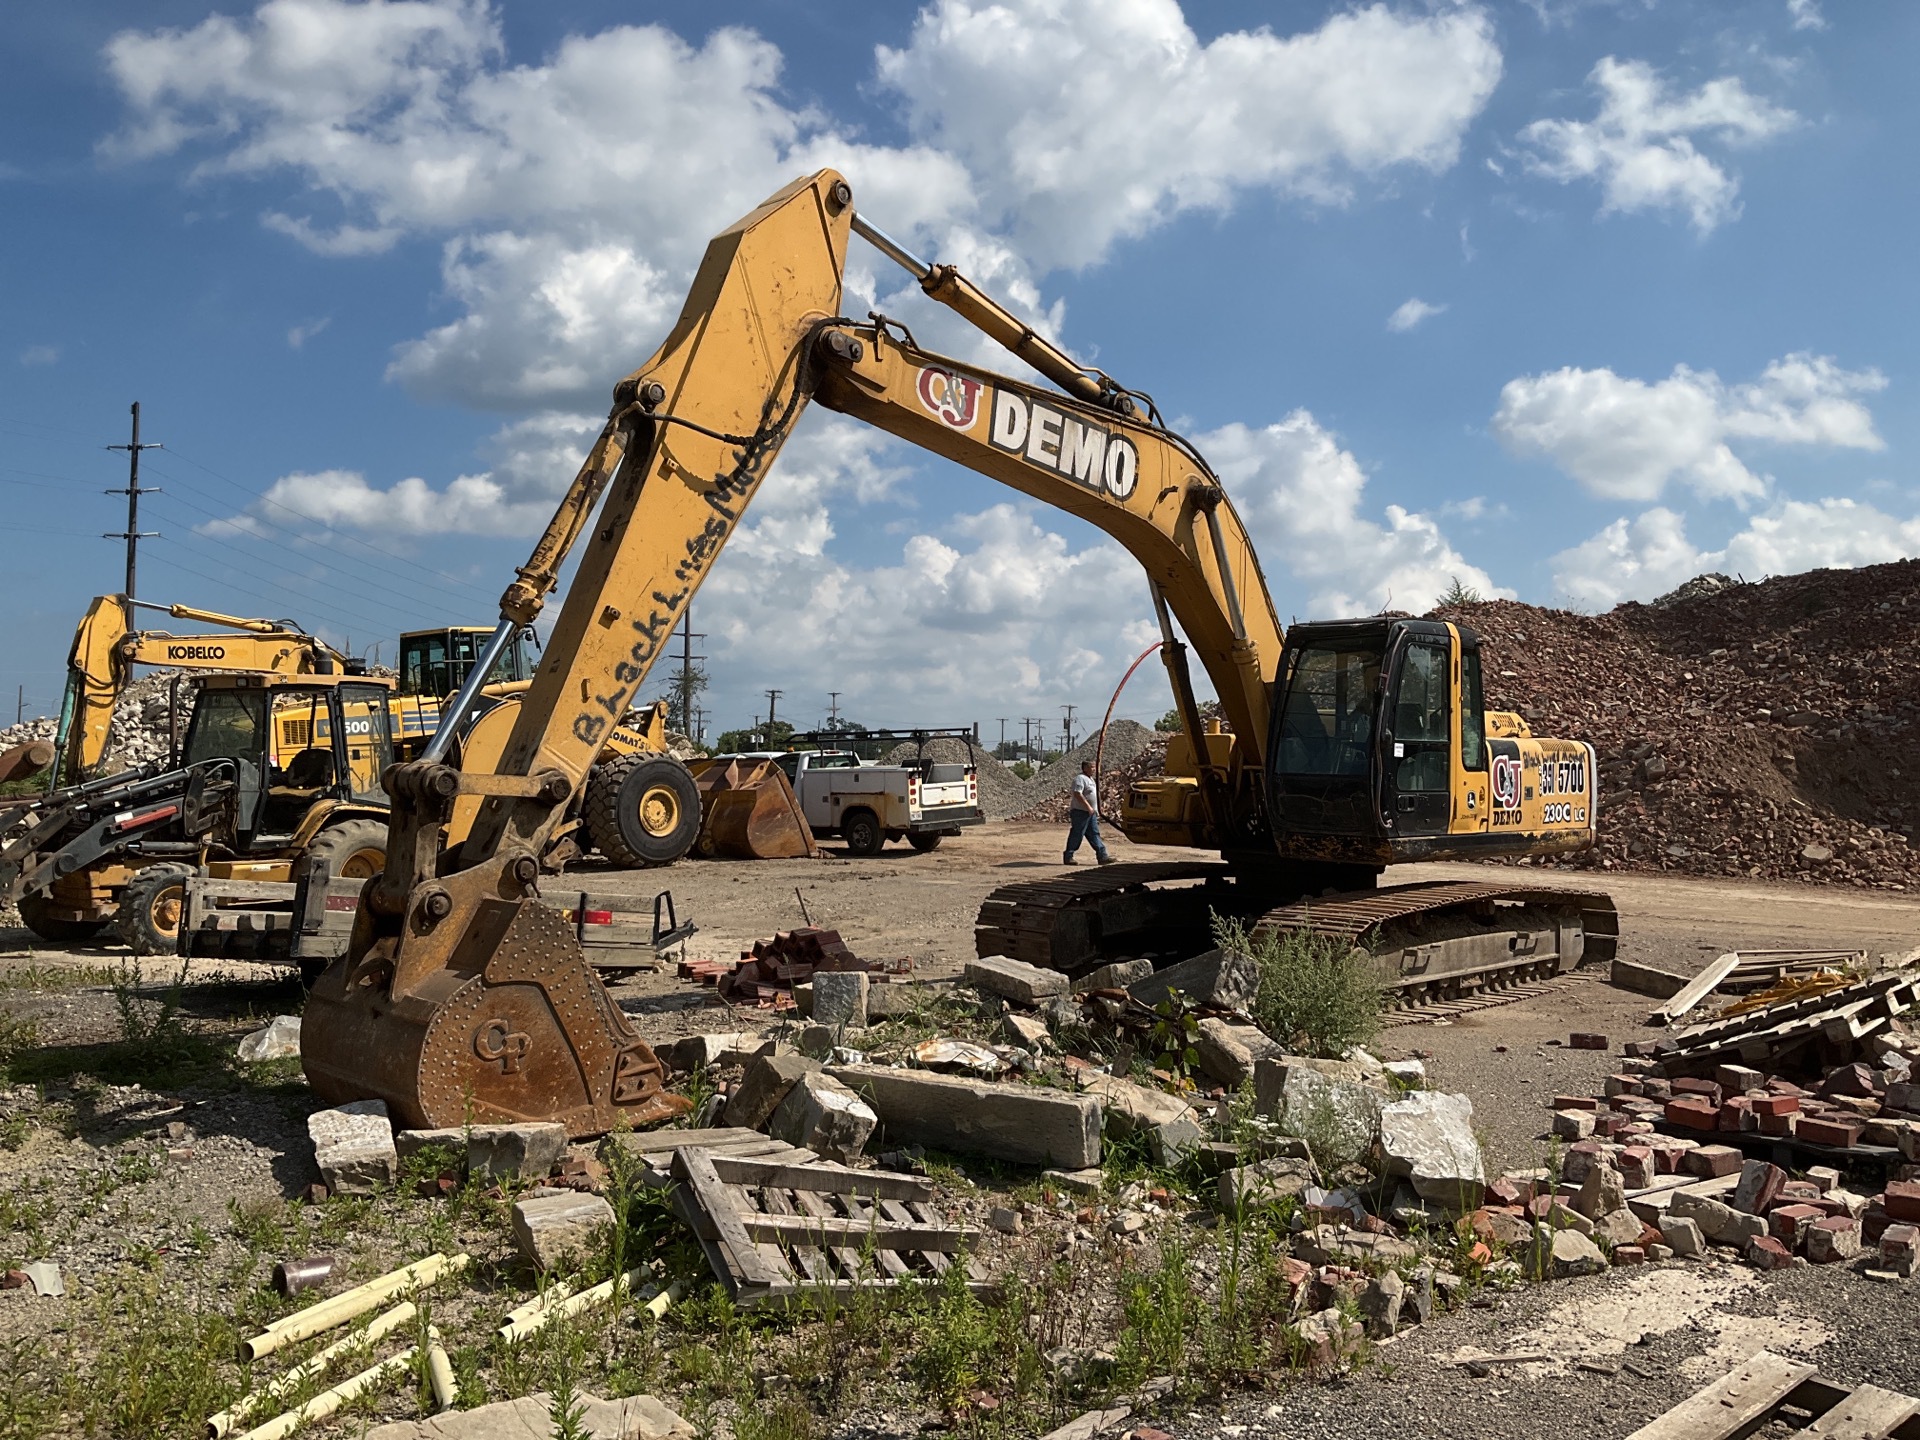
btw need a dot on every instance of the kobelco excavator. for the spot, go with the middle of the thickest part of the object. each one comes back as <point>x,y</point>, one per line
<point>1349,745</point>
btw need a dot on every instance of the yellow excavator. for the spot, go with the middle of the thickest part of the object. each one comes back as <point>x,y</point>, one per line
<point>1349,746</point>
<point>107,645</point>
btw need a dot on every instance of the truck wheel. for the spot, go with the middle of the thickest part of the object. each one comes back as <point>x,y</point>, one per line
<point>35,913</point>
<point>148,920</point>
<point>642,810</point>
<point>861,830</point>
<point>924,843</point>
<point>353,849</point>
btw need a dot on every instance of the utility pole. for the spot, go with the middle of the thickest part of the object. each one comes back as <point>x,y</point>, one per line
<point>1003,733</point>
<point>833,709</point>
<point>687,657</point>
<point>133,534</point>
<point>20,706</point>
<point>773,698</point>
<point>1068,726</point>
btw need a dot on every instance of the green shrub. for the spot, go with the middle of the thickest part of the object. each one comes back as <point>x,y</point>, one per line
<point>1317,996</point>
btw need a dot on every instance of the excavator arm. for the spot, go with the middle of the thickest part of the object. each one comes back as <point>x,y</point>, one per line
<point>464,999</point>
<point>106,647</point>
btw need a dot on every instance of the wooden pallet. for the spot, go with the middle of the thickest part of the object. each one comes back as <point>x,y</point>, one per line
<point>1753,1393</point>
<point>776,1232</point>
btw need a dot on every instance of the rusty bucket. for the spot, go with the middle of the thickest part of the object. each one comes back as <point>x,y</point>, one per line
<point>749,812</point>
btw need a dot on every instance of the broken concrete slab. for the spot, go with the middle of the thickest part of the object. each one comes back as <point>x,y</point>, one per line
<point>1020,1123</point>
<point>822,1115</point>
<point>633,1417</point>
<point>560,1232</point>
<point>1216,980</point>
<point>1601,1193</point>
<point>1304,1100</point>
<point>493,1152</point>
<point>698,1052</point>
<point>1428,1139</point>
<point>1721,1224</point>
<point>353,1146</point>
<point>1091,1425</point>
<point>279,1039</point>
<point>1228,1052</point>
<point>1380,1304</point>
<point>1264,1183</point>
<point>1683,1235</point>
<point>1015,980</point>
<point>1562,1254</point>
<point>767,1081</point>
<point>1088,1183</point>
<point>1027,1031</point>
<point>840,998</point>
<point>1117,976</point>
<point>1171,1129</point>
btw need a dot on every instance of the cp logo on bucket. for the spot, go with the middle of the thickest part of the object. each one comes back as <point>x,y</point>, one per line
<point>954,398</point>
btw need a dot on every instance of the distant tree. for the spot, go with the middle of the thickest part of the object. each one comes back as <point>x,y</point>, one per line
<point>1008,750</point>
<point>1171,723</point>
<point>1458,594</point>
<point>775,737</point>
<point>1023,770</point>
<point>685,684</point>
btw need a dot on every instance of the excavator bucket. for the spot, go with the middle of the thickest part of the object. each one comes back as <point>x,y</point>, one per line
<point>748,811</point>
<point>515,1027</point>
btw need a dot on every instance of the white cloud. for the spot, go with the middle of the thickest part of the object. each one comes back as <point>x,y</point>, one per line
<point>1084,121</point>
<point>1626,439</point>
<point>37,355</point>
<point>1641,558</point>
<point>534,461</point>
<point>1642,145</point>
<point>1411,313</point>
<point>1806,15</point>
<point>1300,496</point>
<point>298,336</point>
<point>570,230</point>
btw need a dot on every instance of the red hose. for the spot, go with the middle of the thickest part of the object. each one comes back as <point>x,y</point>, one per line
<point>1100,747</point>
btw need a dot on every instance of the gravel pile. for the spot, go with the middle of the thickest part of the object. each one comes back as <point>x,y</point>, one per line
<point>1132,751</point>
<point>1757,730</point>
<point>1002,793</point>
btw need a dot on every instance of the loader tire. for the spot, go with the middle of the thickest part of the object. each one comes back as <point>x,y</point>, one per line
<point>861,830</point>
<point>35,914</point>
<point>353,849</point>
<point>642,810</point>
<point>151,904</point>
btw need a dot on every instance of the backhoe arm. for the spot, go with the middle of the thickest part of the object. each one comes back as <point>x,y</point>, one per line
<point>106,647</point>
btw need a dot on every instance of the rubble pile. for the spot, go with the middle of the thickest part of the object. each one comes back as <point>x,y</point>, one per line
<point>1760,730</point>
<point>136,736</point>
<point>1828,1084</point>
<point>767,975</point>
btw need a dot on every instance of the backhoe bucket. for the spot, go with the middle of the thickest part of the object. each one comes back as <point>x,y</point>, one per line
<point>748,811</point>
<point>514,1027</point>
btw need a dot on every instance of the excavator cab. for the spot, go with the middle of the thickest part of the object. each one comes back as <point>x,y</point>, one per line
<point>1373,721</point>
<point>290,747</point>
<point>436,662</point>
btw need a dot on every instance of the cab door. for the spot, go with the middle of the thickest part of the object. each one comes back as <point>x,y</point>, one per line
<point>364,731</point>
<point>1418,742</point>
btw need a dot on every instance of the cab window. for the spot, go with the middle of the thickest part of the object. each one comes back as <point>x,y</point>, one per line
<point>1473,714</point>
<point>227,724</point>
<point>1326,723</point>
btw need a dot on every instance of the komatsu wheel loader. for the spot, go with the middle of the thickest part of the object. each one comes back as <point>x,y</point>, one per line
<point>1349,746</point>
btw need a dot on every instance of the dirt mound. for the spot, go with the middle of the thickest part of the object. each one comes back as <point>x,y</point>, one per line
<point>1741,729</point>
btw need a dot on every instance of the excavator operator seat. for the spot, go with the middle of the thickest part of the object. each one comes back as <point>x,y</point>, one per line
<point>311,769</point>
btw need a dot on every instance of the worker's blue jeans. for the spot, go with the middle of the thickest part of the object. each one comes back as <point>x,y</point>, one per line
<point>1079,823</point>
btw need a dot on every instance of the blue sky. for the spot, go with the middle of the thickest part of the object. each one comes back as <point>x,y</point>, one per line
<point>1569,300</point>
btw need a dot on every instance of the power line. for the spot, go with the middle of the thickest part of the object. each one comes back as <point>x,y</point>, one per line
<point>345,619</point>
<point>325,524</point>
<point>276,532</point>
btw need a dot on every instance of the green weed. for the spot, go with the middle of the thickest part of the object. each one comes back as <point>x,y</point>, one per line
<point>1317,996</point>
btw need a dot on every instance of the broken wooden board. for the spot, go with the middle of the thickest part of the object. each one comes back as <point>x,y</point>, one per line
<point>655,1149</point>
<point>1743,1400</point>
<point>1697,989</point>
<point>778,1231</point>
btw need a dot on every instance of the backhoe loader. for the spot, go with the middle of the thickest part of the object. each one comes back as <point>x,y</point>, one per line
<point>1348,746</point>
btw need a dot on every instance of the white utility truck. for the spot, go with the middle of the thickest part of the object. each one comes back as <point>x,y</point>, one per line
<point>868,805</point>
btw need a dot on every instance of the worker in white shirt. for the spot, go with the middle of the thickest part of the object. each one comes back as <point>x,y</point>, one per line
<point>1083,816</point>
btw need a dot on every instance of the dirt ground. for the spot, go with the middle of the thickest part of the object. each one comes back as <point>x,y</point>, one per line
<point>246,1147</point>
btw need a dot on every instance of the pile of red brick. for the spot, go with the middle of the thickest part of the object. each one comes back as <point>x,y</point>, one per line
<point>1748,730</point>
<point>764,976</point>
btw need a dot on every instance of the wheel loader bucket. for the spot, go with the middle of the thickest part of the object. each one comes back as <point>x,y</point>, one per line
<point>748,811</point>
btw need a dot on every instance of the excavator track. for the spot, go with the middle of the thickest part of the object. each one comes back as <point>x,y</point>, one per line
<point>1436,942</point>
